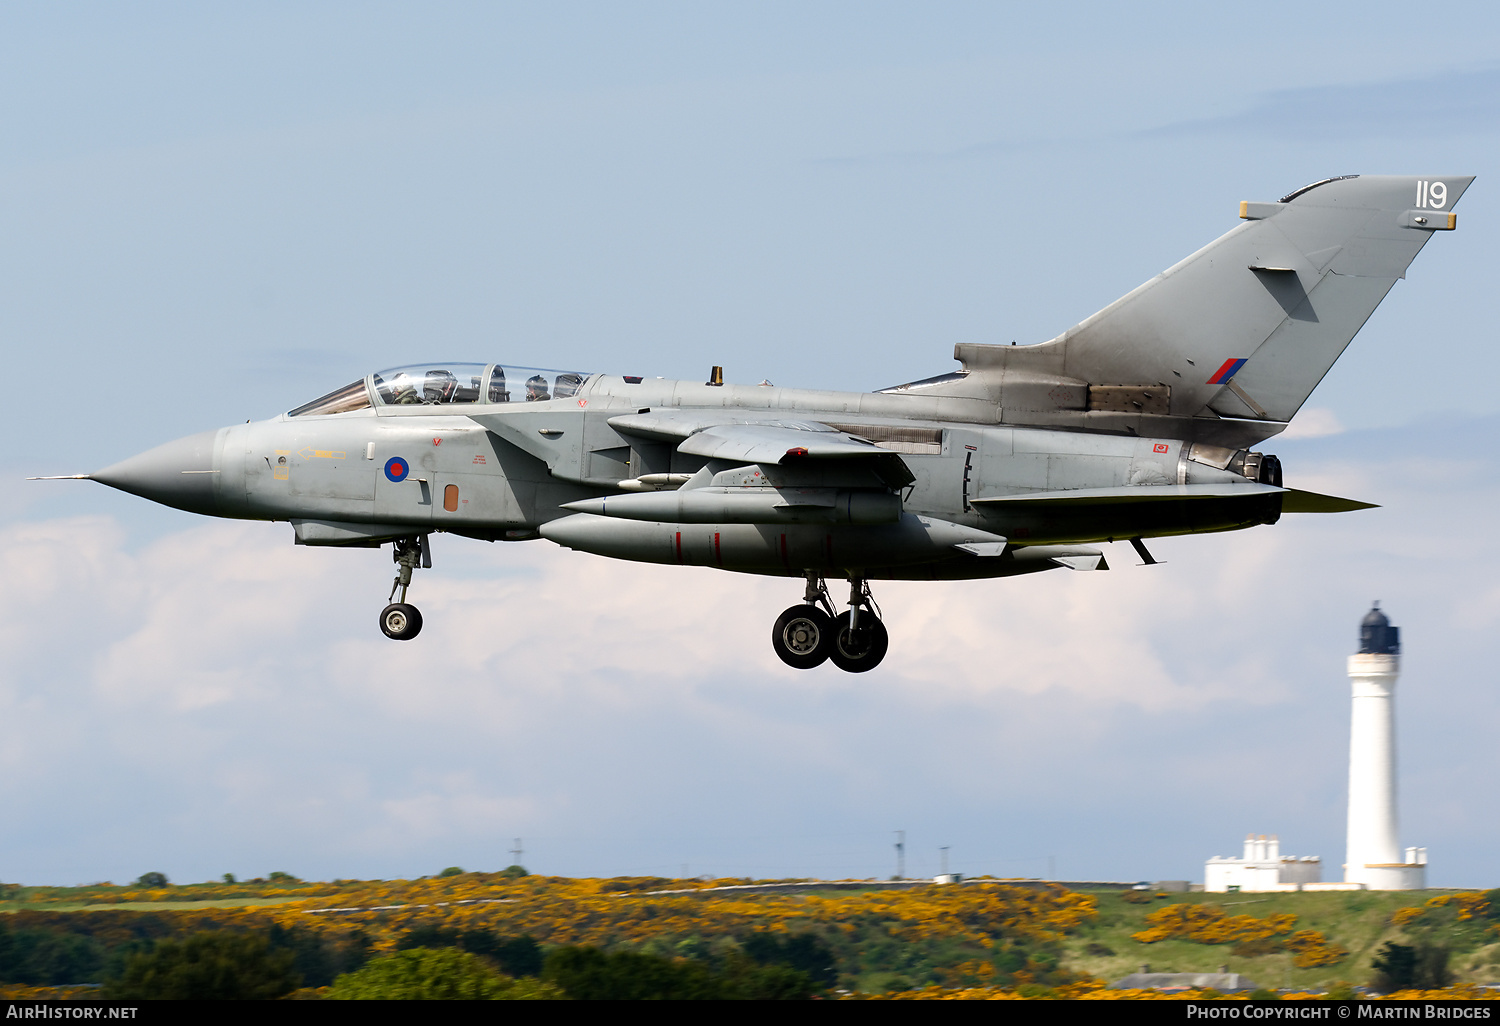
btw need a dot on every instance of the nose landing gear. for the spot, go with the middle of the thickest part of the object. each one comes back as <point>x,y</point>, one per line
<point>807,635</point>
<point>401,621</point>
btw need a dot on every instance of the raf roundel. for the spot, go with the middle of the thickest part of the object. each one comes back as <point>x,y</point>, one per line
<point>396,469</point>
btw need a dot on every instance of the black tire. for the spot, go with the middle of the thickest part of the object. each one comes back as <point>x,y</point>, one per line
<point>400,622</point>
<point>803,637</point>
<point>862,649</point>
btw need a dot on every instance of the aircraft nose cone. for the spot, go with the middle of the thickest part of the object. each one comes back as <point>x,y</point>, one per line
<point>182,474</point>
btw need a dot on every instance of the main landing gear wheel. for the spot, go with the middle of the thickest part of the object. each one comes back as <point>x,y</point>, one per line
<point>806,635</point>
<point>400,621</point>
<point>803,636</point>
<point>859,648</point>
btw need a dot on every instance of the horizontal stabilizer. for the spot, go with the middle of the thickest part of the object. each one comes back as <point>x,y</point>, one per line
<point>1131,494</point>
<point>1298,501</point>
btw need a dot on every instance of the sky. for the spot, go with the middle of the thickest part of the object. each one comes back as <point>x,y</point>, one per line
<point>210,213</point>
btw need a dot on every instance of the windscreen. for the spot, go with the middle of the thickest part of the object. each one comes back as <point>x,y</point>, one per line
<point>353,396</point>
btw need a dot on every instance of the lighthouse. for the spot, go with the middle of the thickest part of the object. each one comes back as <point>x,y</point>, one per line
<point>1374,856</point>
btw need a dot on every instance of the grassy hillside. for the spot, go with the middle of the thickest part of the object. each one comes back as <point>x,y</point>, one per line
<point>1359,921</point>
<point>983,933</point>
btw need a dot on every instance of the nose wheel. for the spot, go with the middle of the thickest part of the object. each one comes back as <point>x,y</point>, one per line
<point>807,635</point>
<point>401,621</point>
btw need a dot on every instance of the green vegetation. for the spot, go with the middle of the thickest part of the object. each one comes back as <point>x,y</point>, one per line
<point>657,937</point>
<point>209,966</point>
<point>515,956</point>
<point>436,974</point>
<point>1408,967</point>
<point>227,893</point>
<point>589,974</point>
<point>48,957</point>
<point>1357,921</point>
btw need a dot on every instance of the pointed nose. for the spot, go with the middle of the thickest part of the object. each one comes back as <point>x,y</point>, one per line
<point>182,474</point>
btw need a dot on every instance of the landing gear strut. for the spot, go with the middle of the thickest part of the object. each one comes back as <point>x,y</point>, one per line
<point>401,621</point>
<point>859,638</point>
<point>806,635</point>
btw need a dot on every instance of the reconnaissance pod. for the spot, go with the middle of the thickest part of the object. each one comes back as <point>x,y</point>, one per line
<point>1137,423</point>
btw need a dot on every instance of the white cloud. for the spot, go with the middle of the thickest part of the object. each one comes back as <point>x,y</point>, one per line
<point>219,694</point>
<point>1313,422</point>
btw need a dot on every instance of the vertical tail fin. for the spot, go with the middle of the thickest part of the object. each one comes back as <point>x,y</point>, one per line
<point>1247,326</point>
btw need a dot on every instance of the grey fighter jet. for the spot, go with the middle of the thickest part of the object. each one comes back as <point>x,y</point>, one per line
<point>1137,423</point>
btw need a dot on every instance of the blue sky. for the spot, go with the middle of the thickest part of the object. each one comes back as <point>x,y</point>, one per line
<point>213,213</point>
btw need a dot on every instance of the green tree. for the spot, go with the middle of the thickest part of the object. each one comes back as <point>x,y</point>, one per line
<point>588,974</point>
<point>208,966</point>
<point>151,880</point>
<point>452,871</point>
<point>435,974</point>
<point>1411,967</point>
<point>320,958</point>
<point>48,957</point>
<point>805,952</point>
<point>516,956</point>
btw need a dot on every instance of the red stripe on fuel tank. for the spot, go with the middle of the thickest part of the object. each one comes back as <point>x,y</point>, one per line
<point>679,546</point>
<point>718,555</point>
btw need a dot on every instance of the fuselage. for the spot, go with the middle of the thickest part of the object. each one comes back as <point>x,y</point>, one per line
<point>367,469</point>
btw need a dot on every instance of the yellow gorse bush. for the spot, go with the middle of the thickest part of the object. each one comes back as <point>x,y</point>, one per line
<point>1209,924</point>
<point>591,911</point>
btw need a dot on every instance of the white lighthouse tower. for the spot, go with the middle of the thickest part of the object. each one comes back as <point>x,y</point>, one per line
<point>1375,858</point>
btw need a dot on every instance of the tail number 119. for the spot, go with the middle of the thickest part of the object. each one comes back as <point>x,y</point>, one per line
<point>1431,194</point>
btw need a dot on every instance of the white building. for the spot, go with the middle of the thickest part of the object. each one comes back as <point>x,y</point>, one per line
<point>1262,867</point>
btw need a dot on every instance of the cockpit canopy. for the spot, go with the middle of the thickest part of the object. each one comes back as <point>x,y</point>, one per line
<point>447,384</point>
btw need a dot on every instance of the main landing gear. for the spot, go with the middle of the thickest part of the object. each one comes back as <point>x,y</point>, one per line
<point>400,621</point>
<point>855,640</point>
